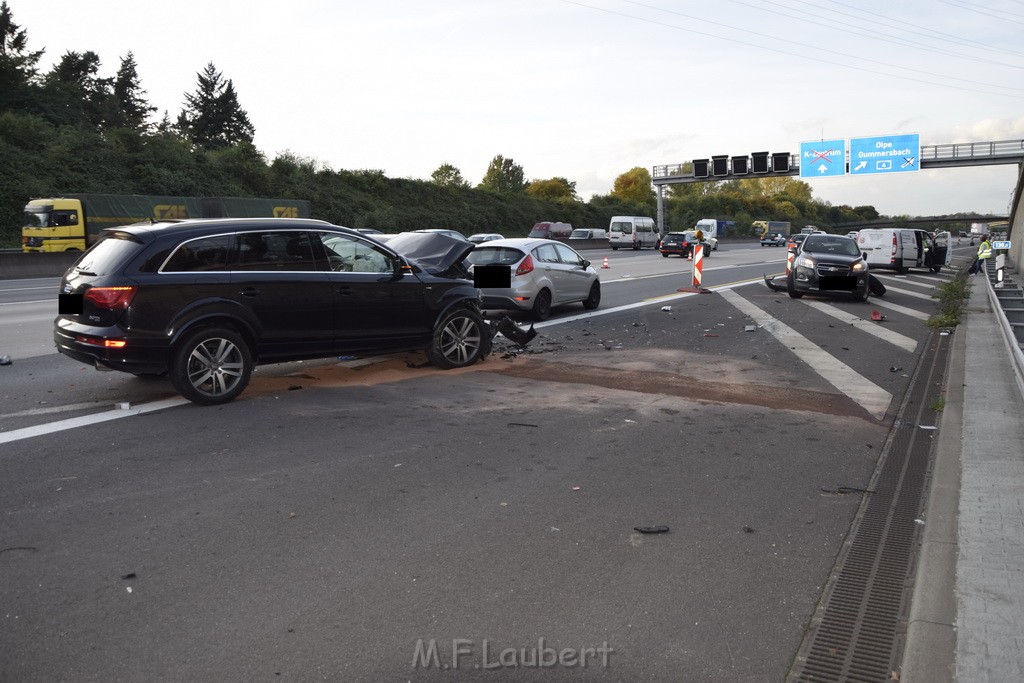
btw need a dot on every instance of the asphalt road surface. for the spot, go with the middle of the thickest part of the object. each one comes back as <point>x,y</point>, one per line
<point>381,521</point>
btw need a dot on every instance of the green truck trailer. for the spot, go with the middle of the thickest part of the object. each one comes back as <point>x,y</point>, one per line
<point>73,222</point>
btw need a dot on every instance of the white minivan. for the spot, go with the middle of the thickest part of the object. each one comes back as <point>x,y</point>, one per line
<point>634,232</point>
<point>900,249</point>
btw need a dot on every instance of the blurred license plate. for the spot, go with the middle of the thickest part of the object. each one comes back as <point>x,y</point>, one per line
<point>837,282</point>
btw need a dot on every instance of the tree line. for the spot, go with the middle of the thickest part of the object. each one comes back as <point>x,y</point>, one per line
<point>72,130</point>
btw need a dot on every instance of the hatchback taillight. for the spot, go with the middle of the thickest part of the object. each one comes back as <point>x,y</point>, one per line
<point>526,266</point>
<point>110,298</point>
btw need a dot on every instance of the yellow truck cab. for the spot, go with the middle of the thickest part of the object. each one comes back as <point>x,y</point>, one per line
<point>53,225</point>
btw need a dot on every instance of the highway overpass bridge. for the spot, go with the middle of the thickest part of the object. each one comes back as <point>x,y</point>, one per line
<point>766,165</point>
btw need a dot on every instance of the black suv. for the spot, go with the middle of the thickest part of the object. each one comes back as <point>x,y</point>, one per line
<point>206,300</point>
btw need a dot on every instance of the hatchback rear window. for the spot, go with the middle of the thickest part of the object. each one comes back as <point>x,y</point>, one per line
<point>109,254</point>
<point>486,256</point>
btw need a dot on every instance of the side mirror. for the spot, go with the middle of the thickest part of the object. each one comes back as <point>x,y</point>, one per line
<point>586,263</point>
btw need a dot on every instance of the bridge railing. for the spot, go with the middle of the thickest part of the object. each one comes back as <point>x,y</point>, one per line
<point>973,150</point>
<point>952,154</point>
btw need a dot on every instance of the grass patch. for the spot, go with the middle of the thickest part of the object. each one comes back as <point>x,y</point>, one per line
<point>937,404</point>
<point>952,298</point>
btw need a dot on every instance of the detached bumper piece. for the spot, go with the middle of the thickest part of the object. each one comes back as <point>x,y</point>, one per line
<point>515,333</point>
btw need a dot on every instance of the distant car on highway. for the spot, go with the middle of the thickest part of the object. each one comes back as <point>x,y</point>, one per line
<point>794,241</point>
<point>829,264</point>
<point>775,239</point>
<point>682,243</point>
<point>589,234</point>
<point>451,233</point>
<point>544,273</point>
<point>481,237</point>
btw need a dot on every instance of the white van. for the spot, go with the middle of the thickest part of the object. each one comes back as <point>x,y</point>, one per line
<point>635,232</point>
<point>900,249</point>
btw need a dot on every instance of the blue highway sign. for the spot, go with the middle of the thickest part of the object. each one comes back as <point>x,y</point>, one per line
<point>822,158</point>
<point>885,154</point>
<point>1001,245</point>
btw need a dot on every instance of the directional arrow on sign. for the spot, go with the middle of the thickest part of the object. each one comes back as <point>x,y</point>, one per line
<point>861,166</point>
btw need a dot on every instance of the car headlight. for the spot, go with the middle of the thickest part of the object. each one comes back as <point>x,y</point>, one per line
<point>805,261</point>
<point>859,267</point>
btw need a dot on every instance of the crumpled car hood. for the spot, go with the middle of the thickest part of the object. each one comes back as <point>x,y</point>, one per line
<point>435,253</point>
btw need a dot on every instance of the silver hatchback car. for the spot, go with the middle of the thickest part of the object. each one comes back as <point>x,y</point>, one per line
<point>544,273</point>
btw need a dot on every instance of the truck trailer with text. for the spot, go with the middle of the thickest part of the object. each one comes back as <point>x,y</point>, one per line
<point>73,222</point>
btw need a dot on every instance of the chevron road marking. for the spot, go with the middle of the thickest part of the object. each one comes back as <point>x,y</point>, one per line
<point>870,396</point>
<point>895,338</point>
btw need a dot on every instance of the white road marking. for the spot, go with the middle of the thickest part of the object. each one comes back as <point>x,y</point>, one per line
<point>895,338</point>
<point>872,397</point>
<point>881,303</point>
<point>86,420</point>
<point>918,295</point>
<point>641,304</point>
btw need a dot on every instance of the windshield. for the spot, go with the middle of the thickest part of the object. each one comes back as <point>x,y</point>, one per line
<point>35,219</point>
<point>50,219</point>
<point>826,244</point>
<point>625,228</point>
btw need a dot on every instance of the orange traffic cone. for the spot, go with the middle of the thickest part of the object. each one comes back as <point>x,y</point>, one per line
<point>606,263</point>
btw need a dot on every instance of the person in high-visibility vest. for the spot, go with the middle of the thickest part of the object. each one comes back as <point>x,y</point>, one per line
<point>984,253</point>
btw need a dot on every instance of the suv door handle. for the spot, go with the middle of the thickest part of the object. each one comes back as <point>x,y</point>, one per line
<point>344,290</point>
<point>250,292</point>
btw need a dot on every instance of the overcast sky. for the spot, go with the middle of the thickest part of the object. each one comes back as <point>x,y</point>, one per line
<point>584,90</point>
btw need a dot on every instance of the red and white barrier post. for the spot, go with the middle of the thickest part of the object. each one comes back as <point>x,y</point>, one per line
<point>698,265</point>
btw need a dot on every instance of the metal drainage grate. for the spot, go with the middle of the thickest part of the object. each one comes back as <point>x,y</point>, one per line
<point>857,632</point>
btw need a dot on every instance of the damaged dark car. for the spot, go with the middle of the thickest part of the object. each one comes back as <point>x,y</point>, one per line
<point>205,301</point>
<point>829,264</point>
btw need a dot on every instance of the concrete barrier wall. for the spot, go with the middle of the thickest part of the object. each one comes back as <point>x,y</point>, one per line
<point>16,265</point>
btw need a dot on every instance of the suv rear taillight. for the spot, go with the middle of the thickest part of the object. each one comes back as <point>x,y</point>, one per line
<point>110,298</point>
<point>526,266</point>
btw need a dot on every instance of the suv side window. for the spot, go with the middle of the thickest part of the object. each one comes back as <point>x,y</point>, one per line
<point>201,255</point>
<point>273,250</point>
<point>350,255</point>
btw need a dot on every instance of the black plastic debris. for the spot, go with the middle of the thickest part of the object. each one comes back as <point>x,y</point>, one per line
<point>5,360</point>
<point>875,286</point>
<point>514,332</point>
<point>651,529</point>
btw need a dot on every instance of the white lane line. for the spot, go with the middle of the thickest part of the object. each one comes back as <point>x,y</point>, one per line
<point>872,397</point>
<point>54,409</point>
<point>899,309</point>
<point>640,304</point>
<point>895,338</point>
<point>86,420</point>
<point>918,295</point>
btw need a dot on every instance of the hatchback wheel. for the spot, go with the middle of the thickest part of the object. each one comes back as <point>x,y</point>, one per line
<point>593,299</point>
<point>460,339</point>
<point>212,365</point>
<point>541,305</point>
